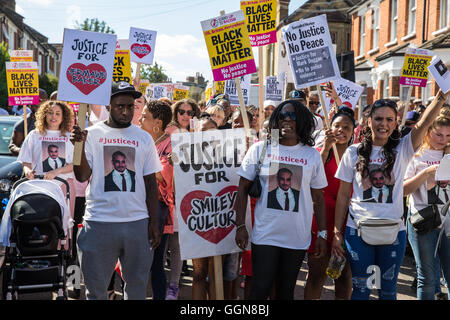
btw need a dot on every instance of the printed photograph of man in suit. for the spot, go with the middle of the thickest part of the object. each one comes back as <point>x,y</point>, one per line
<point>120,178</point>
<point>440,193</point>
<point>284,196</point>
<point>53,161</point>
<point>379,191</point>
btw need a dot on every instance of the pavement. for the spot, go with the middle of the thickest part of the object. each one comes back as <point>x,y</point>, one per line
<point>406,277</point>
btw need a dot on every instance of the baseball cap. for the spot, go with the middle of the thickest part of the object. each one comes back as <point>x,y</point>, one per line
<point>123,87</point>
<point>297,94</point>
<point>412,116</point>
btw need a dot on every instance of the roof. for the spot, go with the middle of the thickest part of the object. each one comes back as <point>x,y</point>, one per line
<point>13,16</point>
<point>441,41</point>
<point>398,51</point>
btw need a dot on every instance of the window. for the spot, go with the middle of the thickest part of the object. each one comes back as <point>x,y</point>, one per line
<point>362,33</point>
<point>394,18</point>
<point>412,16</point>
<point>444,13</point>
<point>426,93</point>
<point>363,98</point>
<point>375,27</point>
<point>386,86</point>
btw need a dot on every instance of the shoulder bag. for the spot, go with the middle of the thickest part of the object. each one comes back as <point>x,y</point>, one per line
<point>255,188</point>
<point>378,231</point>
<point>426,219</point>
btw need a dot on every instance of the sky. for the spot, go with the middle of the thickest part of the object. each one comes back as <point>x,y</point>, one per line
<point>180,46</point>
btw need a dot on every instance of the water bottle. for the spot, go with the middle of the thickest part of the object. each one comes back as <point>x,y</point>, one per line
<point>335,267</point>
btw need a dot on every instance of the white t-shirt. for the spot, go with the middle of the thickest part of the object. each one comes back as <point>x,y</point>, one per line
<point>47,152</point>
<point>283,213</point>
<point>423,197</point>
<point>367,200</point>
<point>129,152</point>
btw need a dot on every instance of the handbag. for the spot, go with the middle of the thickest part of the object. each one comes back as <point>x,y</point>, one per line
<point>426,219</point>
<point>378,231</point>
<point>255,188</point>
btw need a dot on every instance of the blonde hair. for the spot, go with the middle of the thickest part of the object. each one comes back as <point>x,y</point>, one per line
<point>67,112</point>
<point>442,120</point>
<point>217,110</point>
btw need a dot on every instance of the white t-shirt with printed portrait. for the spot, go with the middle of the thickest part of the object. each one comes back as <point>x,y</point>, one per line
<point>366,200</point>
<point>284,212</point>
<point>47,152</point>
<point>119,159</point>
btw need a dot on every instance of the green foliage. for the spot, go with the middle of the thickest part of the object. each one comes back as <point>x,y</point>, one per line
<point>4,56</point>
<point>95,25</point>
<point>48,82</point>
<point>154,74</point>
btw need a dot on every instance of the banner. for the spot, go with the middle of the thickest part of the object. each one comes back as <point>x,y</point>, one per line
<point>311,54</point>
<point>122,63</point>
<point>220,87</point>
<point>230,89</point>
<point>261,20</point>
<point>21,55</point>
<point>22,79</point>
<point>154,91</point>
<point>206,181</point>
<point>348,91</point>
<point>208,92</point>
<point>87,67</point>
<point>180,92</point>
<point>229,48</point>
<point>440,73</point>
<point>142,45</point>
<point>143,84</point>
<point>415,72</point>
<point>275,87</point>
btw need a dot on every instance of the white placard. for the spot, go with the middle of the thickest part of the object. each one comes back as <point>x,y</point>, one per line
<point>87,67</point>
<point>155,91</point>
<point>440,73</point>
<point>443,171</point>
<point>142,45</point>
<point>230,89</point>
<point>275,87</point>
<point>310,50</point>
<point>348,91</point>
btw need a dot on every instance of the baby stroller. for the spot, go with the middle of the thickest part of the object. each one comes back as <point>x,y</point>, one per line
<point>35,230</point>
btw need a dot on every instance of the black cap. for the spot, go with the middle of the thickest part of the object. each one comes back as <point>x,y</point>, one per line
<point>123,87</point>
<point>297,94</point>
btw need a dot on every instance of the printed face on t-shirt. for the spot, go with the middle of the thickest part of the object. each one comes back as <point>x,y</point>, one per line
<point>53,152</point>
<point>284,180</point>
<point>120,162</point>
<point>284,187</point>
<point>119,168</point>
<point>377,187</point>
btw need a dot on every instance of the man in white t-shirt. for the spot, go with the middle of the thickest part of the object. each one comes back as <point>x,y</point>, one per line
<point>121,223</point>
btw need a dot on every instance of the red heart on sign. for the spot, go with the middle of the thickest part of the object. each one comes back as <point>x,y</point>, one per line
<point>218,224</point>
<point>141,50</point>
<point>86,78</point>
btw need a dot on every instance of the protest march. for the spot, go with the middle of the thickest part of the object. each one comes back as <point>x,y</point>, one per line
<point>291,158</point>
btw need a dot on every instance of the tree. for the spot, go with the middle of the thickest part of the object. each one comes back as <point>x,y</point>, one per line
<point>154,74</point>
<point>95,25</point>
<point>48,82</point>
<point>4,56</point>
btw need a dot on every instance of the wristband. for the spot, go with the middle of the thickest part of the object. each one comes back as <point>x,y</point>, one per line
<point>240,226</point>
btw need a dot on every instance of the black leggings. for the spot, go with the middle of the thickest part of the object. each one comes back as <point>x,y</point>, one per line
<point>277,264</point>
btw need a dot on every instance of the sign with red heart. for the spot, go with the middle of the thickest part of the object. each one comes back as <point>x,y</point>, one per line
<point>142,45</point>
<point>86,78</point>
<point>141,50</point>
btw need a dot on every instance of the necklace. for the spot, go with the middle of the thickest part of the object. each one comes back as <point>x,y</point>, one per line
<point>160,139</point>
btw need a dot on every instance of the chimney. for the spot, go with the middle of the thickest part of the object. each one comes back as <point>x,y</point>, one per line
<point>283,9</point>
<point>10,4</point>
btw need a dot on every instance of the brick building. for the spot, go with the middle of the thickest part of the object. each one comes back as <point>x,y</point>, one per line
<point>19,35</point>
<point>381,32</point>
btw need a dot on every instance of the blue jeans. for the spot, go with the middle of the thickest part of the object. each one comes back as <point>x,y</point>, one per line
<point>388,258</point>
<point>428,268</point>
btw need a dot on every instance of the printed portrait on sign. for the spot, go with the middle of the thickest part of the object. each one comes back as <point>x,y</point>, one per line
<point>377,187</point>
<point>284,187</point>
<point>441,68</point>
<point>439,193</point>
<point>120,172</point>
<point>53,155</point>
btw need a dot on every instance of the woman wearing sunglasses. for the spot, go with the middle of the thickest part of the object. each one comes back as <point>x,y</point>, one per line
<point>375,169</point>
<point>183,111</point>
<point>292,177</point>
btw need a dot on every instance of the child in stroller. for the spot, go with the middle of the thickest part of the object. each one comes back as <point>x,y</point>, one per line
<point>36,232</point>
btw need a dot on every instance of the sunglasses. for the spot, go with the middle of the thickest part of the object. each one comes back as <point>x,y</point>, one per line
<point>384,103</point>
<point>284,115</point>
<point>190,113</point>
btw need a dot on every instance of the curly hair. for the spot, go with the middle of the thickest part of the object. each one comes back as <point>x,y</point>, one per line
<point>304,122</point>
<point>67,116</point>
<point>160,110</point>
<point>365,148</point>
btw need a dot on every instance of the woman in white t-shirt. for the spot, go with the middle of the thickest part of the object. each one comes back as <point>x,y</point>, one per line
<point>375,169</point>
<point>424,191</point>
<point>292,177</point>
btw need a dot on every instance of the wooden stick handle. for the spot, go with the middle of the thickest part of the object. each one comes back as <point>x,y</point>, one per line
<point>261,86</point>
<point>327,121</point>
<point>25,122</point>
<point>406,105</point>
<point>242,105</point>
<point>218,278</point>
<point>81,121</point>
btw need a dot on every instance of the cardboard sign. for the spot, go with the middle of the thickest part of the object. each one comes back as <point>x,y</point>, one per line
<point>440,73</point>
<point>87,67</point>
<point>231,90</point>
<point>22,79</point>
<point>311,54</point>
<point>155,91</point>
<point>275,87</point>
<point>348,91</point>
<point>206,181</point>
<point>229,48</point>
<point>143,84</point>
<point>180,92</point>
<point>261,20</point>
<point>142,45</point>
<point>220,87</point>
<point>414,71</point>
<point>75,106</point>
<point>122,62</point>
<point>21,55</point>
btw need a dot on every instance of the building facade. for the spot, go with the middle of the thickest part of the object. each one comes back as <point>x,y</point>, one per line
<point>18,35</point>
<point>382,30</point>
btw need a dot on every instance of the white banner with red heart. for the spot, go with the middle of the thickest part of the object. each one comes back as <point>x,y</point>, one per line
<point>86,67</point>
<point>142,45</point>
<point>206,184</point>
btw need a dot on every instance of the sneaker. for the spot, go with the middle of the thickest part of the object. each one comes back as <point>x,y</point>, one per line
<point>172,292</point>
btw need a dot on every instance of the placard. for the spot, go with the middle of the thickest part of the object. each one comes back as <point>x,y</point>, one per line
<point>206,180</point>
<point>440,73</point>
<point>231,90</point>
<point>348,91</point>
<point>21,55</point>
<point>261,20</point>
<point>122,62</point>
<point>415,67</point>
<point>180,92</point>
<point>155,91</point>
<point>143,84</point>
<point>142,45</point>
<point>22,79</point>
<point>87,67</point>
<point>229,47</point>
<point>219,86</point>
<point>310,50</point>
<point>275,87</point>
